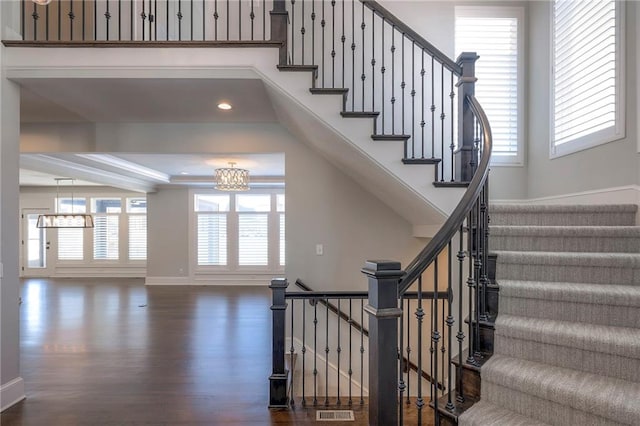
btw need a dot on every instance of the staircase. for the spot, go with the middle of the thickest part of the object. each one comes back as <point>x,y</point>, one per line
<point>567,339</point>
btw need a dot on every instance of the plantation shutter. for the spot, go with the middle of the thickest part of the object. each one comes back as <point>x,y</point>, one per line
<point>70,244</point>
<point>212,239</point>
<point>584,65</point>
<point>495,39</point>
<point>253,239</point>
<point>282,240</point>
<point>137,237</point>
<point>105,237</point>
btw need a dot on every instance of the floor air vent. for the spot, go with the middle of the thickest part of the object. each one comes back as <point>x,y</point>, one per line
<point>334,416</point>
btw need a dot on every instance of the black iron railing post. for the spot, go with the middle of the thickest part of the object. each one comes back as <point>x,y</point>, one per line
<point>279,22</point>
<point>465,164</point>
<point>384,277</point>
<point>278,378</point>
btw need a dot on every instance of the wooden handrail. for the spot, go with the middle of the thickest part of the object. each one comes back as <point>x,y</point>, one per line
<point>414,36</point>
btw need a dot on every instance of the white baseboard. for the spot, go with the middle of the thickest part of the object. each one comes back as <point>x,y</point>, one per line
<point>168,281</point>
<point>11,393</point>
<point>629,194</point>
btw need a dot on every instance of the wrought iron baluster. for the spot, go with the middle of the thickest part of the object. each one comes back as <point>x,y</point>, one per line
<point>363,76</point>
<point>292,400</point>
<point>442,117</point>
<point>168,20</point>
<point>216,16</point>
<point>35,17</point>
<point>403,85</point>
<point>190,23</point>
<point>60,20</point>
<point>443,335</point>
<point>361,351</point>
<point>326,355</point>
<point>353,55</point>
<point>408,351</point>
<point>143,16</point>
<point>46,21</point>
<point>350,351</point>
<point>95,19</point>
<point>252,15</point>
<point>382,71</point>
<point>373,62</point>
<point>239,19</point>
<point>315,352</point>
<point>452,146</point>
<point>470,284</point>
<point>304,351</point>
<point>313,32</point>
<point>72,17</point>
<point>228,17</point>
<point>323,23</point>
<point>338,351</point>
<point>23,20</point>
<point>393,80</point>
<point>450,322</point>
<point>302,32</point>
<point>180,16</point>
<point>419,317</point>
<point>293,25</point>
<point>436,339</point>
<point>204,19</point>
<point>484,237</point>
<point>431,348</point>
<point>401,365</point>
<point>422,122</point>
<point>333,43</point>
<point>476,278</point>
<point>343,39</point>
<point>83,20</point>
<point>433,105</point>
<point>413,99</point>
<point>460,336</point>
<point>152,19</point>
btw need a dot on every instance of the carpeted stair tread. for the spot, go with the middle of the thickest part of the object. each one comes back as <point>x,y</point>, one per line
<point>563,215</point>
<point>484,413</point>
<point>570,258</point>
<point>621,341</point>
<point>609,398</point>
<point>566,238</point>
<point>597,294</point>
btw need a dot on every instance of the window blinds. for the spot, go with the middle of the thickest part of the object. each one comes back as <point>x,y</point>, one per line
<point>70,244</point>
<point>137,237</point>
<point>253,239</point>
<point>212,239</point>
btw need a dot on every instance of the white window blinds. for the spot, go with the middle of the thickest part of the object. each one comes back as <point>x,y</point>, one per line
<point>493,34</point>
<point>137,237</point>
<point>253,239</point>
<point>212,239</point>
<point>105,237</point>
<point>585,71</point>
<point>70,243</point>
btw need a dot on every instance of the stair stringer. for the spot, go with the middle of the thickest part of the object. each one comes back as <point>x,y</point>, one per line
<point>315,119</point>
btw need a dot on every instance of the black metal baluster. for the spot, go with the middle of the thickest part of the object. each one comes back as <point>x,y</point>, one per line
<point>60,19</point>
<point>485,247</point>
<point>361,351</point>
<point>460,335</point>
<point>350,351</point>
<point>151,19</point>
<point>408,351</point>
<point>315,352</point>
<point>302,31</point>
<point>143,16</point>
<point>228,18</point>
<point>204,19</point>
<point>252,15</point>
<point>436,338</point>
<point>382,71</point>
<point>343,39</point>
<point>333,43</point>
<point>95,19</point>
<point>442,117</point>
<point>180,16</point>
<point>323,23</point>
<point>393,80</point>
<point>264,20</point>
<point>433,107</point>
<point>83,20</point>
<point>239,19</point>
<point>403,85</point>
<point>431,349</point>
<point>422,122</point>
<point>304,351</point>
<point>470,284</point>
<point>46,21</point>
<point>169,20</point>
<point>292,400</point>
<point>353,55</point>
<point>35,17</point>
<point>452,146</point>
<point>413,99</point>
<point>373,62</point>
<point>119,19</point>
<point>216,16</point>
<point>401,365</point>
<point>107,15</point>
<point>443,336</point>
<point>450,322</point>
<point>313,32</point>
<point>363,77</point>
<point>419,317</point>
<point>338,350</point>
<point>71,18</point>
<point>131,19</point>
<point>190,24</point>
<point>23,20</point>
<point>476,278</point>
<point>326,356</point>
<point>293,25</point>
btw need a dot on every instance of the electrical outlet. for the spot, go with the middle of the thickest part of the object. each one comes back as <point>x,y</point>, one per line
<point>319,249</point>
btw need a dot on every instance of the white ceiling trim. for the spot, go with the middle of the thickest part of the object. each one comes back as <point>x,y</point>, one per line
<point>128,166</point>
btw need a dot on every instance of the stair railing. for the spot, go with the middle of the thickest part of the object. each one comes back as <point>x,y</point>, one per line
<point>387,71</point>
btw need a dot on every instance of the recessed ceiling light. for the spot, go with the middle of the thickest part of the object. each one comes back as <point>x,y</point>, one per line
<point>184,173</point>
<point>224,105</point>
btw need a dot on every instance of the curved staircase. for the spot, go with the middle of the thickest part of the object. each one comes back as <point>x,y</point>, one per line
<point>567,339</point>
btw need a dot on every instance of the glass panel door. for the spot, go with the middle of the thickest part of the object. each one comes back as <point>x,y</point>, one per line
<point>36,245</point>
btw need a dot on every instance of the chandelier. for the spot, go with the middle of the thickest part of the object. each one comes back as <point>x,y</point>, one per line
<point>232,179</point>
<point>42,2</point>
<point>64,220</point>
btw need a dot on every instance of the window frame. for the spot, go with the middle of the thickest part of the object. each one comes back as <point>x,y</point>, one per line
<point>518,13</point>
<point>603,136</point>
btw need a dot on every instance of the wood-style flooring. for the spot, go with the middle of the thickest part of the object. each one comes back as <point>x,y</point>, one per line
<point>114,352</point>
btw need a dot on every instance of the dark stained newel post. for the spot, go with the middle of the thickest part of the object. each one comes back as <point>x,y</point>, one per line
<point>465,157</point>
<point>384,277</point>
<point>279,22</point>
<point>278,378</point>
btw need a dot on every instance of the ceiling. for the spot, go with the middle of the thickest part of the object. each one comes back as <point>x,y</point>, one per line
<point>122,100</point>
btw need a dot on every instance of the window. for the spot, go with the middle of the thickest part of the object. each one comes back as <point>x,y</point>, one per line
<point>211,212</point>
<point>239,232</point>
<point>106,227</point>
<point>137,209</point>
<point>71,240</point>
<point>587,53</point>
<point>495,33</point>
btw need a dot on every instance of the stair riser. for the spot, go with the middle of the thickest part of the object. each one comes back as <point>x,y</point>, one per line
<point>619,316</point>
<point>543,410</point>
<point>567,244</point>
<point>568,273</point>
<point>564,219</point>
<point>567,357</point>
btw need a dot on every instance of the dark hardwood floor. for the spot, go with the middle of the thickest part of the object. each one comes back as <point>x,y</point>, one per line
<point>114,352</point>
